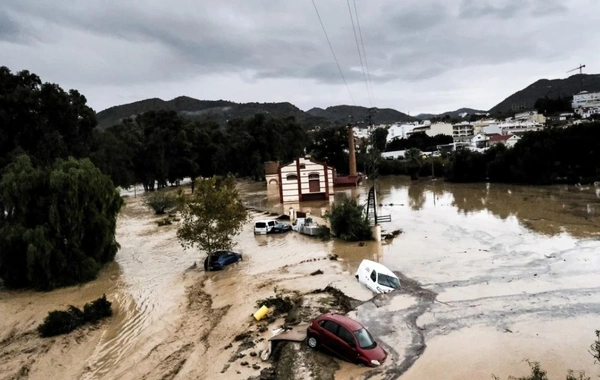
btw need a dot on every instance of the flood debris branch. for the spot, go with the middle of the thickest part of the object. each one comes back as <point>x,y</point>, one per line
<point>59,322</point>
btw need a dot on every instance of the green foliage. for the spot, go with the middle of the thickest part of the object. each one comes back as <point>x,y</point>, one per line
<point>414,159</point>
<point>380,138</point>
<point>41,120</point>
<point>161,147</point>
<point>543,157</point>
<point>57,224</point>
<point>420,141</point>
<point>330,146</point>
<point>60,322</point>
<point>160,201</point>
<point>548,105</point>
<point>212,215</point>
<point>348,220</point>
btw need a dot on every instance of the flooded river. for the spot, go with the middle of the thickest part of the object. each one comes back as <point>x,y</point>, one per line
<point>492,275</point>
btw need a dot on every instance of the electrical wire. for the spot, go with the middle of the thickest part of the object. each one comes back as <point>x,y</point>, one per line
<point>364,51</point>
<point>362,65</point>
<point>333,52</point>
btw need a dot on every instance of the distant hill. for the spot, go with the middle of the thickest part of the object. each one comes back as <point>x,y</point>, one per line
<point>452,114</point>
<point>525,99</point>
<point>223,110</point>
<point>357,114</point>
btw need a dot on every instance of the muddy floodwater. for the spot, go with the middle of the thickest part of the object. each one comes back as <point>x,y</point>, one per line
<point>492,276</point>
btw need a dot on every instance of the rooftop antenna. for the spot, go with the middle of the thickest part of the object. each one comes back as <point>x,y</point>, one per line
<point>580,68</point>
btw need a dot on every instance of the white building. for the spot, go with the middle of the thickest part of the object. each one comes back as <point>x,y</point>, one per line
<point>439,129</point>
<point>531,116</point>
<point>519,127</point>
<point>480,140</point>
<point>586,100</point>
<point>462,132</point>
<point>586,104</point>
<point>301,180</point>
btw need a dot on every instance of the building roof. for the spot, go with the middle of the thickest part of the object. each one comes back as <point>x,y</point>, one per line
<point>497,137</point>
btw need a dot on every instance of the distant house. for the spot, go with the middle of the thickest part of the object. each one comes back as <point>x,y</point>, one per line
<point>480,140</point>
<point>304,179</point>
<point>508,140</point>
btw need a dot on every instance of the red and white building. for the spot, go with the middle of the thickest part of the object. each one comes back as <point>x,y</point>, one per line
<point>304,179</point>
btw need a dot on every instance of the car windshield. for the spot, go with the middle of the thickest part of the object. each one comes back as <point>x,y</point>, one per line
<point>365,340</point>
<point>389,281</point>
<point>215,256</point>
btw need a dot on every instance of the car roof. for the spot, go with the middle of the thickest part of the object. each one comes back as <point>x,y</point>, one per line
<point>378,267</point>
<point>264,220</point>
<point>348,323</point>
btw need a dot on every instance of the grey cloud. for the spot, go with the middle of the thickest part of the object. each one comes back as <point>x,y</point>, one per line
<point>481,8</point>
<point>127,44</point>
<point>10,30</point>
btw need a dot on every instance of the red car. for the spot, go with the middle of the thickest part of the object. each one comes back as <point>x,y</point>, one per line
<point>346,338</point>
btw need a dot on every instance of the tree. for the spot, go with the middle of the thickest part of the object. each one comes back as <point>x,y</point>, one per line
<point>348,220</point>
<point>57,224</point>
<point>42,120</point>
<point>415,161</point>
<point>212,215</point>
<point>380,138</point>
<point>331,146</point>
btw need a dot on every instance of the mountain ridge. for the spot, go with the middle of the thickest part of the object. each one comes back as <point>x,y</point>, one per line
<point>222,111</point>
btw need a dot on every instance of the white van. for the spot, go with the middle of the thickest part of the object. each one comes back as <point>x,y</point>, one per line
<point>377,277</point>
<point>263,227</point>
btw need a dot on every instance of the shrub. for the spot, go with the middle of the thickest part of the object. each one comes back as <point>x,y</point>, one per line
<point>348,220</point>
<point>160,202</point>
<point>98,309</point>
<point>59,322</point>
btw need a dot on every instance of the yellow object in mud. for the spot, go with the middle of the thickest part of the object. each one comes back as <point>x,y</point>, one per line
<point>260,313</point>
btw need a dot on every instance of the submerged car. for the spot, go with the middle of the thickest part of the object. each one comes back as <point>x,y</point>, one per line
<point>263,227</point>
<point>220,259</point>
<point>377,277</point>
<point>346,338</point>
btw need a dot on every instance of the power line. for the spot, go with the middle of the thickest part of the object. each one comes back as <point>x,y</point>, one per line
<point>333,52</point>
<point>362,66</point>
<point>364,51</point>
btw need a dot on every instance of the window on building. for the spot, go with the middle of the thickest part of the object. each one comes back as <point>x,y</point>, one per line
<point>291,177</point>
<point>313,176</point>
<point>302,166</point>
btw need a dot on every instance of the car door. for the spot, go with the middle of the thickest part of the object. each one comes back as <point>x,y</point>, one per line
<point>329,340</point>
<point>347,344</point>
<point>372,281</point>
<point>271,226</point>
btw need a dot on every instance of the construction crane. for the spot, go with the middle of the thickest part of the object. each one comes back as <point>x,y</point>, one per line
<point>580,68</point>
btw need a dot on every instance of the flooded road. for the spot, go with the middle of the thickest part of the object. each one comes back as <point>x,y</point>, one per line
<point>493,275</point>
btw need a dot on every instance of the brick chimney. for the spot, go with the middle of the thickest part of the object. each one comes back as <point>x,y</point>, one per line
<point>351,152</point>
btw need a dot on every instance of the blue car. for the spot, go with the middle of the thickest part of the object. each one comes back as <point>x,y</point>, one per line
<point>220,259</point>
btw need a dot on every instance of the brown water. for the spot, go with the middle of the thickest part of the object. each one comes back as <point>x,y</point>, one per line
<point>512,268</point>
<point>495,258</point>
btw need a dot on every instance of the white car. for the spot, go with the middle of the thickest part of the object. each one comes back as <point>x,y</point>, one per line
<point>377,277</point>
<point>263,227</point>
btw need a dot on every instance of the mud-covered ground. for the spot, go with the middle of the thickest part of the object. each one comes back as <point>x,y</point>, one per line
<point>491,275</point>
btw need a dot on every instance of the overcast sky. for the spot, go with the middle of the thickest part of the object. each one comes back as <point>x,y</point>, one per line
<point>422,55</point>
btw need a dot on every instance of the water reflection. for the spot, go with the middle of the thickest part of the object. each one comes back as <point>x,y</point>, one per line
<point>549,210</point>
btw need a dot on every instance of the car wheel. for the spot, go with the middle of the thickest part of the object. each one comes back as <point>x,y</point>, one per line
<point>312,341</point>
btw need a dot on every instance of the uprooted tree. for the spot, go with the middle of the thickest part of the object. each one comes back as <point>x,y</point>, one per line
<point>57,223</point>
<point>212,215</point>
